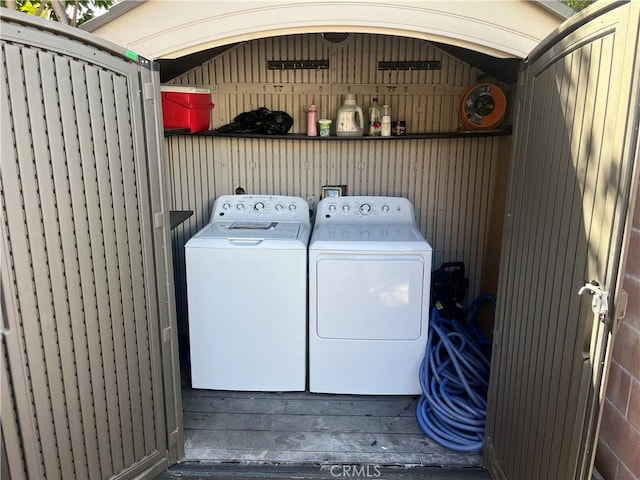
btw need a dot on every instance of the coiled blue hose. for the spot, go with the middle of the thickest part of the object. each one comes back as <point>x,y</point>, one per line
<point>454,376</point>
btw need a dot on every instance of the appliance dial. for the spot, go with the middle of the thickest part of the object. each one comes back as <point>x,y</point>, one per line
<point>365,208</point>
<point>279,207</point>
<point>385,208</point>
<point>345,207</point>
<point>259,207</point>
<point>292,207</point>
<point>332,208</point>
<point>226,206</point>
<point>240,206</point>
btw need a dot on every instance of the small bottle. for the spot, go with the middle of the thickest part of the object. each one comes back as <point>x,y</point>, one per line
<point>385,129</point>
<point>375,118</point>
<point>312,111</point>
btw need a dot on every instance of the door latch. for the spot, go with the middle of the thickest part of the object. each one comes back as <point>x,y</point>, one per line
<point>600,302</point>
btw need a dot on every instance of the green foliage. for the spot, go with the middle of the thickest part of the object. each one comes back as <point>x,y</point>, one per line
<point>76,12</point>
<point>34,9</point>
<point>578,5</point>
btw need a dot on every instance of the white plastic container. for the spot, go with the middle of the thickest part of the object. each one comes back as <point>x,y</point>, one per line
<point>350,121</point>
<point>386,121</point>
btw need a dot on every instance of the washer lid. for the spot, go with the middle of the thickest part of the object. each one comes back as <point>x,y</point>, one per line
<point>251,230</point>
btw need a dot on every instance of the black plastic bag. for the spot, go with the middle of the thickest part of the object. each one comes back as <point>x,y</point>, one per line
<point>262,121</point>
<point>448,289</point>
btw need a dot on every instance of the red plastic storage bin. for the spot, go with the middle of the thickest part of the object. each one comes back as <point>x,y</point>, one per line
<point>186,107</point>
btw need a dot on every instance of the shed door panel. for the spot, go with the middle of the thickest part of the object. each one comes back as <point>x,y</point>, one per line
<point>84,296</point>
<point>570,182</point>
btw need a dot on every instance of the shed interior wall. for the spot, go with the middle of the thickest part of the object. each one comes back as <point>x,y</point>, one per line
<point>456,185</point>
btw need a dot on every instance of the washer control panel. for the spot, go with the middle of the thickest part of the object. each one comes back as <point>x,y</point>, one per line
<point>261,207</point>
<point>365,209</point>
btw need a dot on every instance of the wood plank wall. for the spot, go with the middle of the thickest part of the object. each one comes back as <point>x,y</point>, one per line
<point>450,181</point>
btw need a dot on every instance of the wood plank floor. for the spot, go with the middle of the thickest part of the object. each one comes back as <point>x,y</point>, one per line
<point>226,471</point>
<point>304,428</point>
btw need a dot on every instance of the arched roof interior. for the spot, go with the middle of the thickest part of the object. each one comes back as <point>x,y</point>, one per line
<point>492,36</point>
<point>503,69</point>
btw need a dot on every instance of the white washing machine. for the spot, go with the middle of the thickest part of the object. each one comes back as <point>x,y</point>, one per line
<point>247,295</point>
<point>369,277</point>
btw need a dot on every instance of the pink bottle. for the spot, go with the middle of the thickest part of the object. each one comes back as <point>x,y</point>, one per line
<point>312,111</point>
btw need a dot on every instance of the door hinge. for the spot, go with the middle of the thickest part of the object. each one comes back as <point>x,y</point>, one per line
<point>148,91</point>
<point>621,310</point>
<point>158,220</point>
<point>600,302</point>
<point>173,437</point>
<point>166,334</point>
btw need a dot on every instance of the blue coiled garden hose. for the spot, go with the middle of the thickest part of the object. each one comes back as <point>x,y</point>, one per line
<point>454,376</point>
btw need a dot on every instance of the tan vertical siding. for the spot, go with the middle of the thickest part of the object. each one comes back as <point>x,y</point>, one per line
<point>81,287</point>
<point>567,212</point>
<point>450,181</point>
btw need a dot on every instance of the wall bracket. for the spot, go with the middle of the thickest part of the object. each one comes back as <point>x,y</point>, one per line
<point>411,65</point>
<point>298,64</point>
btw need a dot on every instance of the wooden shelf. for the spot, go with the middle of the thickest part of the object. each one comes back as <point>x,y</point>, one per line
<point>500,132</point>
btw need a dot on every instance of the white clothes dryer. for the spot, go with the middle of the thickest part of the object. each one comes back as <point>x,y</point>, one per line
<point>369,279</point>
<point>247,295</point>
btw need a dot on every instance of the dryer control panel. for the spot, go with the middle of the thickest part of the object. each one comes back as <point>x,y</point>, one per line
<point>371,209</point>
<point>261,208</point>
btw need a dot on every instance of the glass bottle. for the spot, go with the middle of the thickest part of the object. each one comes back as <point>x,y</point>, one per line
<point>375,118</point>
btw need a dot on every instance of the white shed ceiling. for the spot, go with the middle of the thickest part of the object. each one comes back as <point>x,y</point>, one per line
<point>170,29</point>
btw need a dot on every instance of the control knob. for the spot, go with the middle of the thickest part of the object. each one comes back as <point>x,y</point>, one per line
<point>385,208</point>
<point>332,208</point>
<point>258,207</point>
<point>279,207</point>
<point>365,208</point>
<point>345,207</point>
<point>226,206</point>
<point>240,206</point>
<point>292,207</point>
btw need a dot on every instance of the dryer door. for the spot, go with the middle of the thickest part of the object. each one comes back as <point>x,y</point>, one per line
<point>371,297</point>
